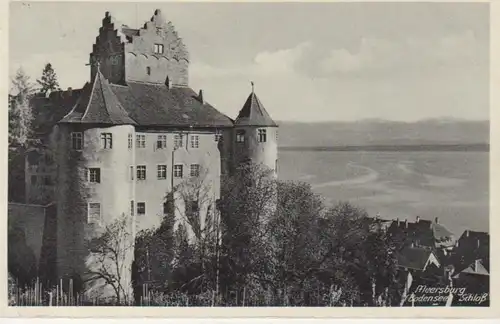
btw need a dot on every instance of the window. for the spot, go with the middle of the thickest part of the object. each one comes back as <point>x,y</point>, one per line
<point>107,140</point>
<point>94,175</point>
<point>262,135</point>
<point>195,170</point>
<point>140,141</point>
<point>195,141</point>
<point>77,141</point>
<point>218,136</point>
<point>178,170</point>
<point>131,208</point>
<point>162,172</point>
<point>178,140</point>
<point>94,213</point>
<point>161,143</point>
<point>141,172</point>
<point>276,166</point>
<point>158,49</point>
<point>141,208</point>
<point>47,180</point>
<point>131,172</point>
<point>240,136</point>
<point>33,179</point>
<point>148,70</point>
<point>130,141</point>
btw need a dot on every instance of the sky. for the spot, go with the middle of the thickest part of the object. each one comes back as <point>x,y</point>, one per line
<point>309,61</point>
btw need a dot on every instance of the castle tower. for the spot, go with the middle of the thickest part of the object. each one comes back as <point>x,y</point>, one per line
<point>94,186</point>
<point>149,54</point>
<point>255,135</point>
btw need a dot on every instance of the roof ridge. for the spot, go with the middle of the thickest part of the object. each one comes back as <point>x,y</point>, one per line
<point>91,94</point>
<point>101,81</point>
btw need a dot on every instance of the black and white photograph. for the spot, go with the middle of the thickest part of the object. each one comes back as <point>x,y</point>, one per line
<point>239,154</point>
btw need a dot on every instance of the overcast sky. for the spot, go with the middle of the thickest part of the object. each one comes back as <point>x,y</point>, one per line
<point>309,62</point>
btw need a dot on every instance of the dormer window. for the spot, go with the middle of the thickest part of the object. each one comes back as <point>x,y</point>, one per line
<point>148,70</point>
<point>158,49</point>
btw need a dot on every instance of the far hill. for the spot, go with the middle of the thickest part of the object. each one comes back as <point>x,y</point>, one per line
<point>382,133</point>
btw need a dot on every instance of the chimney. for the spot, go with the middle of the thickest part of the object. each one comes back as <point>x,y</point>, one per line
<point>456,243</point>
<point>476,265</point>
<point>478,242</point>
<point>168,83</point>
<point>200,97</point>
<point>406,223</point>
<point>436,220</point>
<point>70,91</point>
<point>467,233</point>
<point>418,219</point>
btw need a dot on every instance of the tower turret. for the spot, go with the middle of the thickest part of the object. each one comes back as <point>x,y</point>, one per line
<point>94,187</point>
<point>256,135</point>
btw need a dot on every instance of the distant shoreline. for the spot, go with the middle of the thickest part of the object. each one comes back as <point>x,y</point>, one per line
<point>480,147</point>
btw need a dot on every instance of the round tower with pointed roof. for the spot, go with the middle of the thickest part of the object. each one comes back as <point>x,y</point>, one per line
<point>94,186</point>
<point>255,135</point>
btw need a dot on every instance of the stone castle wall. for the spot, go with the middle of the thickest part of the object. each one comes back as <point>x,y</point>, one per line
<point>134,56</point>
<point>265,153</point>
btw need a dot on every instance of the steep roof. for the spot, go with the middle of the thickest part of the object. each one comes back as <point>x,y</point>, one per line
<point>413,257</point>
<point>423,233</point>
<point>253,113</point>
<point>98,105</point>
<point>49,110</point>
<point>159,105</point>
<point>477,268</point>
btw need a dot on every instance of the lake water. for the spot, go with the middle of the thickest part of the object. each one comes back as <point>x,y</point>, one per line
<point>453,186</point>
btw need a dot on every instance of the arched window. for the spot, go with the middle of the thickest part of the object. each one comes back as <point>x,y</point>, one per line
<point>148,70</point>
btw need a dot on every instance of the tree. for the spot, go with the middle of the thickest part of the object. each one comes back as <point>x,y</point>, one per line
<point>48,81</point>
<point>20,110</point>
<point>293,239</point>
<point>197,234</point>
<point>110,258</point>
<point>248,200</point>
<point>154,254</point>
<point>21,258</point>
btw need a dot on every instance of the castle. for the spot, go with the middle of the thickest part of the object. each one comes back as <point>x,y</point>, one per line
<point>132,134</point>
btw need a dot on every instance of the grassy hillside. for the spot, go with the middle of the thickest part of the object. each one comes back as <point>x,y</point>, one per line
<point>383,133</point>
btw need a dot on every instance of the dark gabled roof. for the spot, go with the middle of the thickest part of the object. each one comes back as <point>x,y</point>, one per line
<point>98,105</point>
<point>413,257</point>
<point>476,268</point>
<point>423,232</point>
<point>158,105</point>
<point>253,113</point>
<point>468,235</point>
<point>49,110</point>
